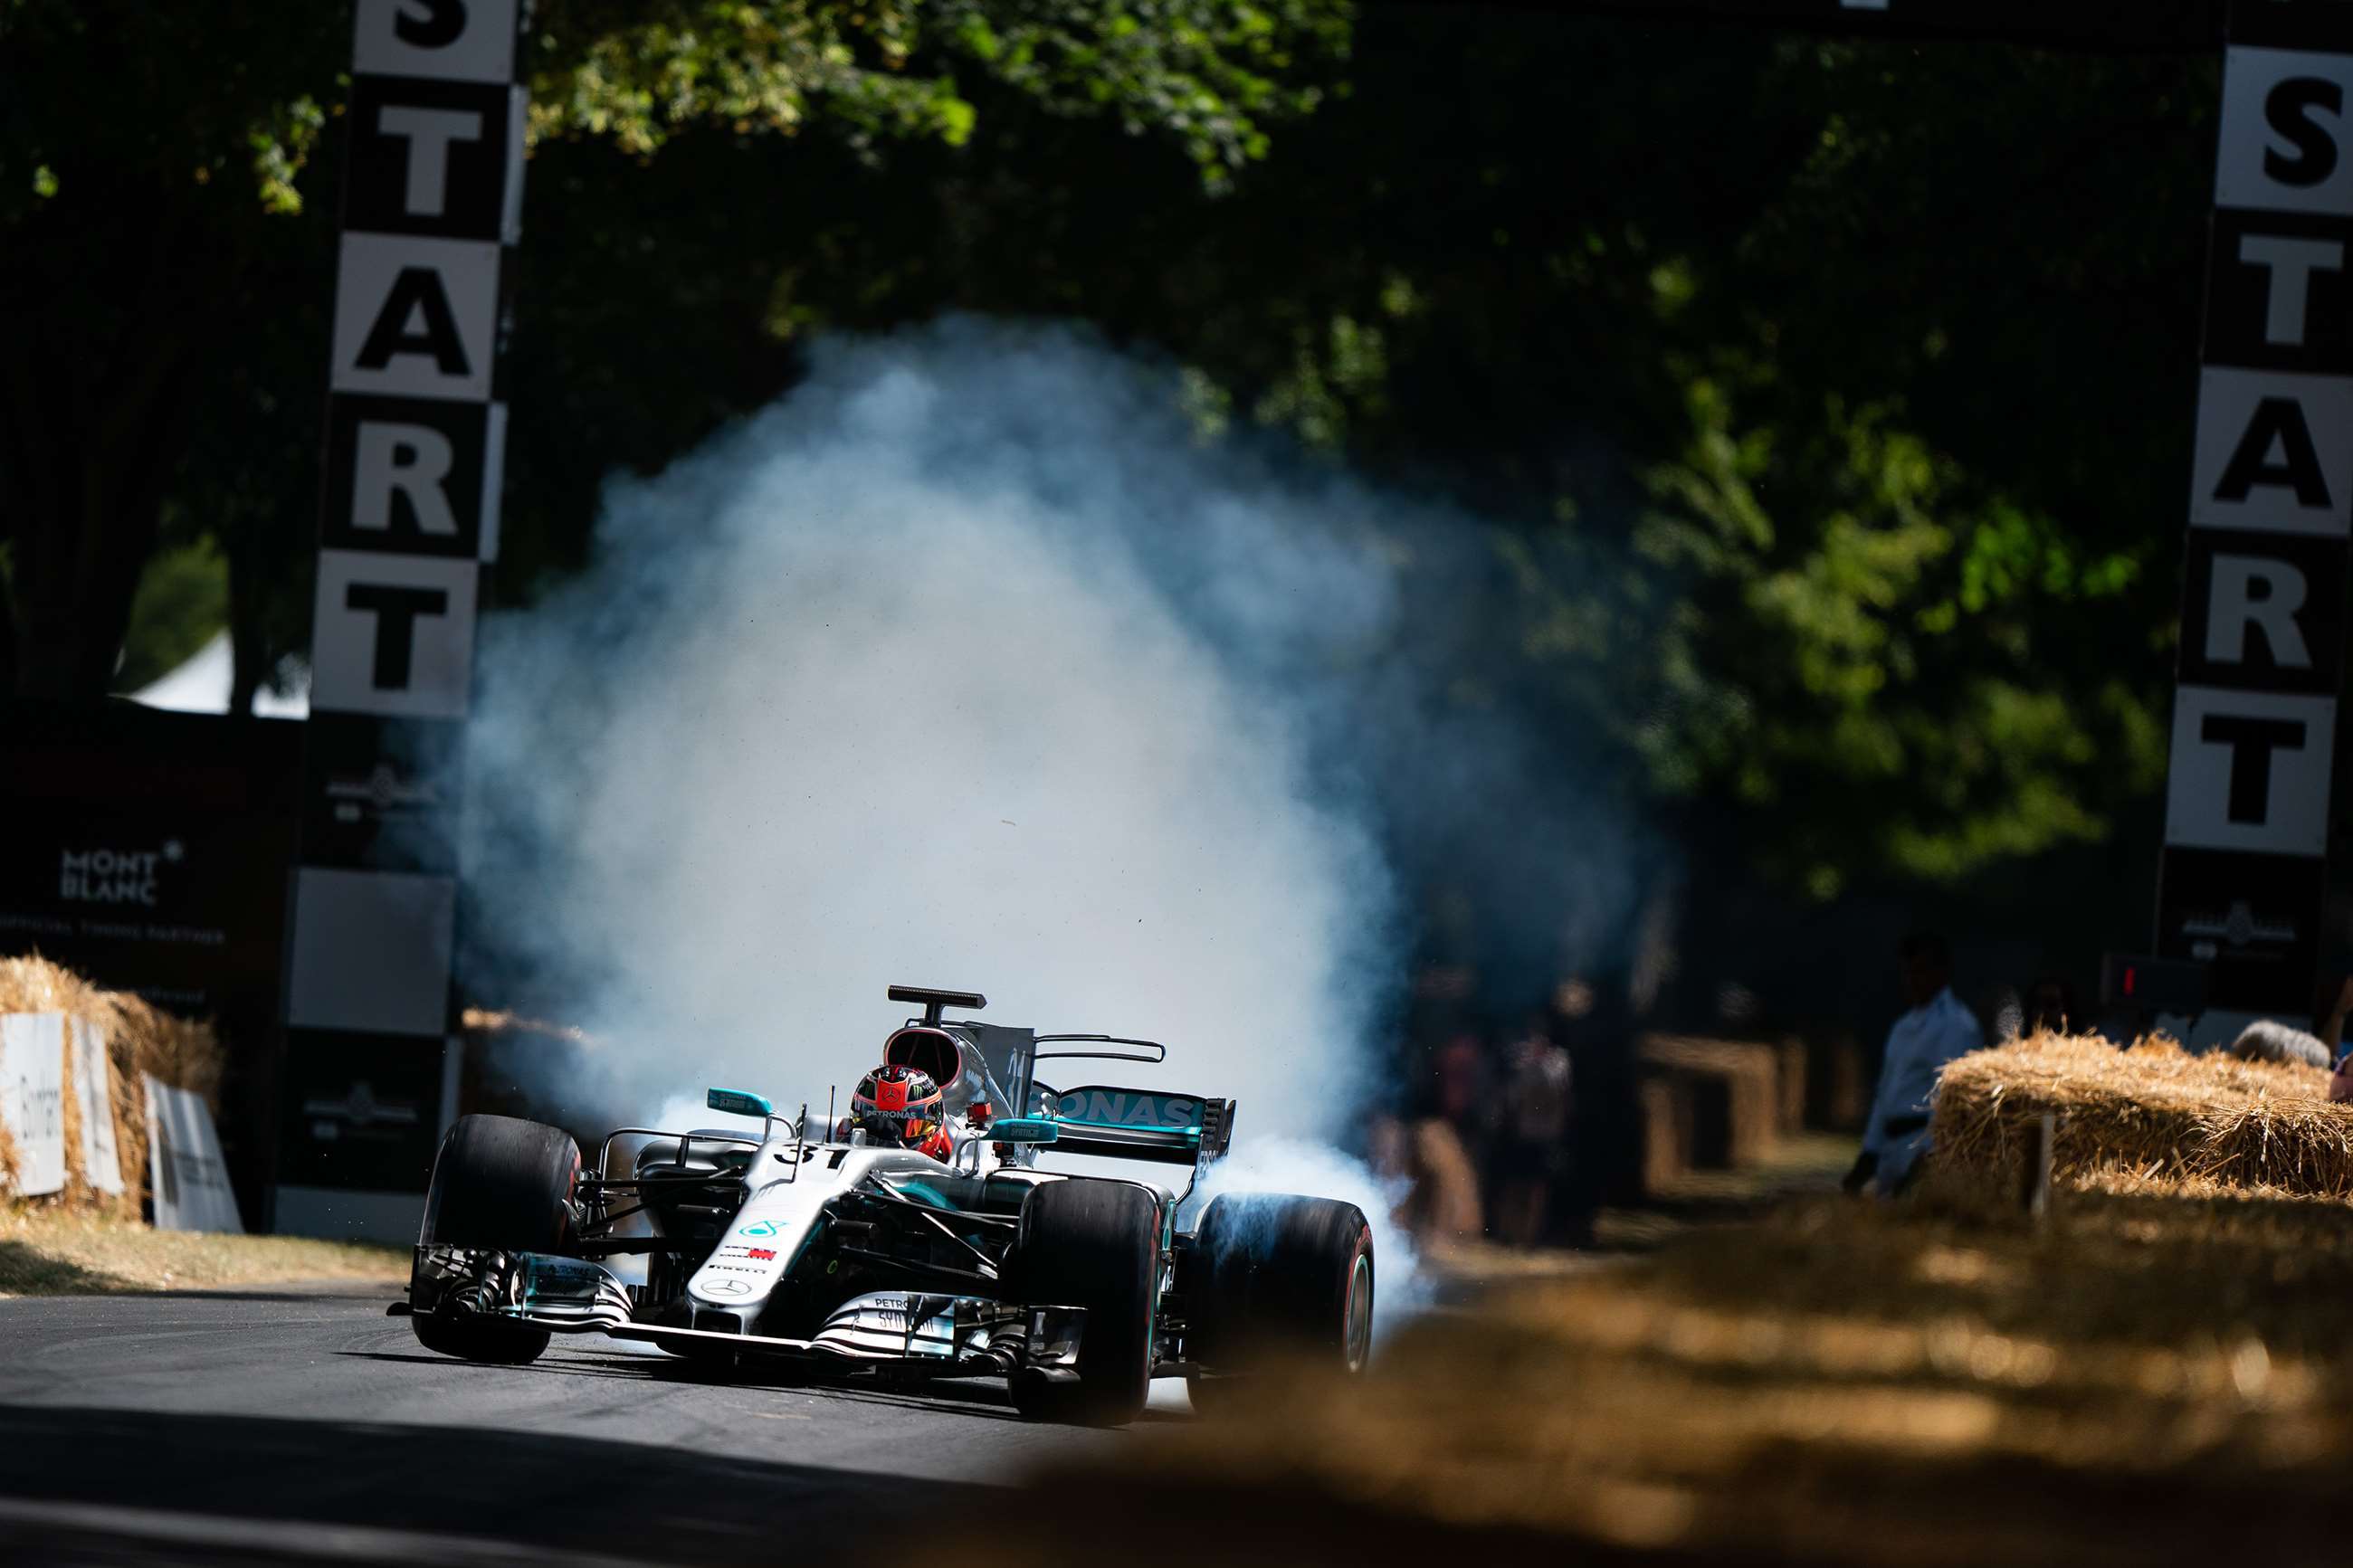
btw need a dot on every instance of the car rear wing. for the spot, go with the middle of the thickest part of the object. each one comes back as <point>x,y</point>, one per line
<point>1103,1118</point>
<point>1140,1124</point>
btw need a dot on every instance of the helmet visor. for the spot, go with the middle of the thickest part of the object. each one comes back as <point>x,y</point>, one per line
<point>916,1124</point>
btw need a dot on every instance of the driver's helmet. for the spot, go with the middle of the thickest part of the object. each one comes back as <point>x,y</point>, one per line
<point>899,1107</point>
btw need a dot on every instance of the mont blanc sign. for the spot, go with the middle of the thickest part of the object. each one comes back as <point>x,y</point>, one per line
<point>408,520</point>
<point>2271,509</point>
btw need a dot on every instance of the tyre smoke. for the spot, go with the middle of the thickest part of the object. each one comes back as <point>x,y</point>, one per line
<point>966,664</point>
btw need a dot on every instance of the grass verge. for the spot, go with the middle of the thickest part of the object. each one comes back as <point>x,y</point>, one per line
<point>56,1252</point>
<point>2141,1378</point>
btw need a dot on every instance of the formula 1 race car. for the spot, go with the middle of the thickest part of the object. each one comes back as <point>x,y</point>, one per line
<point>811,1249</point>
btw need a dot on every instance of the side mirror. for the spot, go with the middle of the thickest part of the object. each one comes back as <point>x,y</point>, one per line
<point>1023,1129</point>
<point>739,1102</point>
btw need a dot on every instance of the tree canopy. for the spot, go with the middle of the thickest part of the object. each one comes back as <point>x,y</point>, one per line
<point>1820,407</point>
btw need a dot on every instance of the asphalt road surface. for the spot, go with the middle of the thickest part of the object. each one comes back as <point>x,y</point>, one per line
<point>289,1426</point>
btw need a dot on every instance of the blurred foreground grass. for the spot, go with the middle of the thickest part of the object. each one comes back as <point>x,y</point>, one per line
<point>2143,1378</point>
<point>53,1252</point>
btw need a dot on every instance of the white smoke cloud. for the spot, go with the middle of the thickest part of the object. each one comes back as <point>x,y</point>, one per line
<point>961,666</point>
<point>966,665</point>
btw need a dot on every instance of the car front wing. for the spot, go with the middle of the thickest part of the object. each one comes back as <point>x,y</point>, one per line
<point>926,1333</point>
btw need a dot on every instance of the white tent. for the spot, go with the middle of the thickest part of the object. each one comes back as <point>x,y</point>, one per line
<point>202,685</point>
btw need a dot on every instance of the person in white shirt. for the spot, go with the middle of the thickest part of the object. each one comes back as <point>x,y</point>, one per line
<point>1936,1030</point>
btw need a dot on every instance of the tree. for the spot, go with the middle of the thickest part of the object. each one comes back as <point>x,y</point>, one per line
<point>1818,408</point>
<point>1823,406</point>
<point>150,260</point>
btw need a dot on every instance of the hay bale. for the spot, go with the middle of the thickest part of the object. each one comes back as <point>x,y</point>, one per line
<point>1790,1083</point>
<point>1735,1090</point>
<point>2269,1040</point>
<point>2154,1114</point>
<point>1665,1119</point>
<point>1838,1090</point>
<point>139,1039</point>
<point>1444,1201</point>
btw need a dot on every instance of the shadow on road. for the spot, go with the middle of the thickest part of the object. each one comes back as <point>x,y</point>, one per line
<point>245,1479</point>
<point>984,1398</point>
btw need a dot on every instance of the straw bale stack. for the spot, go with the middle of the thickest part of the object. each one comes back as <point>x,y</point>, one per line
<point>2154,1114</point>
<point>1740,1077</point>
<point>139,1039</point>
<point>1664,1109</point>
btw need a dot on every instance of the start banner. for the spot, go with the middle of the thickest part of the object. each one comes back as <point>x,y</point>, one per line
<point>2244,877</point>
<point>408,524</point>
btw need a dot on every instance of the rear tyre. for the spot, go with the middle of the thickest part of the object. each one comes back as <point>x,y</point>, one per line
<point>1277,1279</point>
<point>499,1182</point>
<point>1096,1245</point>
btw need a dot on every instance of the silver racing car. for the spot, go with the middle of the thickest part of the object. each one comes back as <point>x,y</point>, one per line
<point>828,1253</point>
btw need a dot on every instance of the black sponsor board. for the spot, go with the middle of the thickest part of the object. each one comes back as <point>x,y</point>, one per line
<point>381,794</point>
<point>2254,920</point>
<point>360,1113</point>
<point>150,852</point>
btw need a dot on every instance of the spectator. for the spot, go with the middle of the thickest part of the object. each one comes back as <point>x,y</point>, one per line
<point>1936,1030</point>
<point>2330,1026</point>
<point>1592,1017</point>
<point>2332,1039</point>
<point>2270,1040</point>
<point>1532,1141</point>
<point>1465,1087</point>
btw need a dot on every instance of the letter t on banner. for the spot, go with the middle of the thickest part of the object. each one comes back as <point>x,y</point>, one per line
<point>408,521</point>
<point>2244,880</point>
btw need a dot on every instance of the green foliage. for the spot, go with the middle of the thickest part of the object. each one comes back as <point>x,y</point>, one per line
<point>1869,681</point>
<point>1822,406</point>
<point>163,263</point>
<point>1209,74</point>
<point>181,604</point>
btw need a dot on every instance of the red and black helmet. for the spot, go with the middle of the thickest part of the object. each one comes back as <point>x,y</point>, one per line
<point>898,1107</point>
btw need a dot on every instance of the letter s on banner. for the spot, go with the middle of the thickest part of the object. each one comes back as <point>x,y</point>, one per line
<point>2285,128</point>
<point>443,41</point>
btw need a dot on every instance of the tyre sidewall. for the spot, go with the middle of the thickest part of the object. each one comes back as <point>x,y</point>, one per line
<point>1276,1274</point>
<point>1094,1245</point>
<point>503,1182</point>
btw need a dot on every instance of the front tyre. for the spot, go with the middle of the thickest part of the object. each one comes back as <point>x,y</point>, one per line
<point>1095,1245</point>
<point>503,1182</point>
<point>1277,1280</point>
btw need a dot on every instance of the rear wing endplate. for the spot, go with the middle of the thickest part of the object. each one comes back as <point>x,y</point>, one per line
<point>1141,1124</point>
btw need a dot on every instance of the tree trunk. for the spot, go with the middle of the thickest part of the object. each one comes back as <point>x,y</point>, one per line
<point>246,643</point>
<point>77,558</point>
<point>92,429</point>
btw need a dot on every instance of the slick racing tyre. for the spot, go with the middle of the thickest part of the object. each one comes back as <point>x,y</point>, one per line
<point>502,1182</point>
<point>1096,1245</point>
<point>1277,1279</point>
